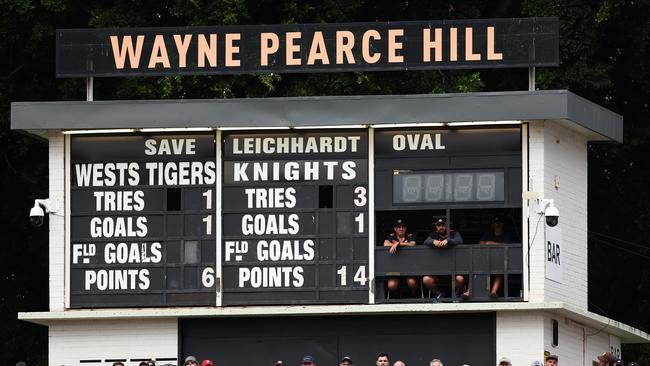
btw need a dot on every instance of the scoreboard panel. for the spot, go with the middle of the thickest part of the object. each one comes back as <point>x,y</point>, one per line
<point>291,214</point>
<point>142,222</point>
<point>295,217</point>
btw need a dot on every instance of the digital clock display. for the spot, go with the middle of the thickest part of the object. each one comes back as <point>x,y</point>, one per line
<point>447,186</point>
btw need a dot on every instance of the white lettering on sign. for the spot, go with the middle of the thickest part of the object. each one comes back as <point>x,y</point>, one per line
<point>271,197</point>
<point>418,141</point>
<point>116,279</point>
<point>181,173</point>
<point>293,171</point>
<point>269,224</point>
<point>83,252</point>
<point>286,250</point>
<point>295,145</point>
<point>118,227</point>
<point>132,253</point>
<point>107,174</point>
<point>553,253</point>
<point>257,277</point>
<point>236,247</point>
<point>170,147</point>
<point>119,201</point>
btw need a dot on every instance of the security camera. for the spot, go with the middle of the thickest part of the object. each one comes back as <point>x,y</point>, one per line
<point>547,208</point>
<point>37,213</point>
<point>552,215</point>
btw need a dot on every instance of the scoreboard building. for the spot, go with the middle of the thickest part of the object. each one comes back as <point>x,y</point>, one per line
<point>248,231</point>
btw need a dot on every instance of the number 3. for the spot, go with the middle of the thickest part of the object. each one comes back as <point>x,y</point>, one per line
<point>360,200</point>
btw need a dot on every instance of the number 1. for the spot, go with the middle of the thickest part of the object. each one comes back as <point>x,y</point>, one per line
<point>343,273</point>
<point>208,224</point>
<point>359,220</point>
<point>208,199</point>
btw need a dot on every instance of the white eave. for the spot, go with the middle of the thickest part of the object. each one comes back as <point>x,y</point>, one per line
<point>627,333</point>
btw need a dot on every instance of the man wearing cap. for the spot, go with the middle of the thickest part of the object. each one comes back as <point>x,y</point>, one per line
<point>190,361</point>
<point>496,235</point>
<point>400,238</point>
<point>504,361</point>
<point>440,238</point>
<point>308,361</point>
<point>551,360</point>
<point>345,361</point>
<point>207,363</point>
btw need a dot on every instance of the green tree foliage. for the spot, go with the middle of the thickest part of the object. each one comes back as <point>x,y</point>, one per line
<point>604,57</point>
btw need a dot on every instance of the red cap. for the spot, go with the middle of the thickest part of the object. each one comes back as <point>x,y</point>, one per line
<point>207,363</point>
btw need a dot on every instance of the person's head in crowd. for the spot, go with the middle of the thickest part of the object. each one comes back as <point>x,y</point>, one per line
<point>151,363</point>
<point>440,226</point>
<point>632,364</point>
<point>606,359</point>
<point>399,363</point>
<point>400,227</point>
<point>536,363</point>
<point>279,363</point>
<point>118,363</point>
<point>435,362</point>
<point>143,363</point>
<point>345,361</point>
<point>21,363</point>
<point>504,361</point>
<point>497,225</point>
<point>382,359</point>
<point>190,361</point>
<point>551,360</point>
<point>207,363</point>
<point>308,361</point>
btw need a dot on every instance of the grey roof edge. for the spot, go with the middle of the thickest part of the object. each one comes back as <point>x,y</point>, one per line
<point>320,111</point>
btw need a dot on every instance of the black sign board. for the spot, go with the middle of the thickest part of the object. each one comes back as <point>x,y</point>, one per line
<point>142,220</point>
<point>416,45</point>
<point>467,338</point>
<point>295,218</point>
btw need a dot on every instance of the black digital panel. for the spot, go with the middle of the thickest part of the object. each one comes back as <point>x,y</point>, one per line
<point>447,186</point>
<point>143,220</point>
<point>295,218</point>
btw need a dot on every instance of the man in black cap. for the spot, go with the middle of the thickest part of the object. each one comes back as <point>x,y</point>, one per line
<point>551,360</point>
<point>308,361</point>
<point>496,235</point>
<point>345,361</point>
<point>400,238</point>
<point>440,238</point>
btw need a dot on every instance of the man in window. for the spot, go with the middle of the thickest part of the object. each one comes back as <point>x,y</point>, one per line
<point>400,238</point>
<point>496,235</point>
<point>440,238</point>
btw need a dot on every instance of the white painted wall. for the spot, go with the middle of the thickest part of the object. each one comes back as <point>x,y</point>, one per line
<point>519,336</point>
<point>565,161</point>
<point>558,154</point>
<point>57,223</point>
<point>525,336</point>
<point>536,225</point>
<point>577,344</point>
<point>73,341</point>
